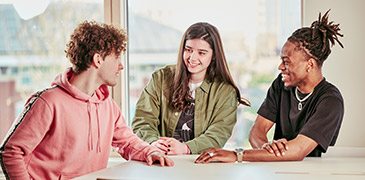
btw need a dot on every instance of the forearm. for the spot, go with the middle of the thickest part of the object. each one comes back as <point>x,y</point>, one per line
<point>196,146</point>
<point>148,136</point>
<point>217,154</point>
<point>146,128</point>
<point>206,141</point>
<point>129,146</point>
<point>263,155</point>
<point>257,140</point>
<point>258,133</point>
<point>13,165</point>
<point>294,150</point>
<point>28,133</point>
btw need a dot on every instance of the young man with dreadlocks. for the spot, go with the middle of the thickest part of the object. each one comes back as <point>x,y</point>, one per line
<point>306,109</point>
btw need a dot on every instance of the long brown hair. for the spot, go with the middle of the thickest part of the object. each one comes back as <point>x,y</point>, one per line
<point>315,40</point>
<point>217,70</point>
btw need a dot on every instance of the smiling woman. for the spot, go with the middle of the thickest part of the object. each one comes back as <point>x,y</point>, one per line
<point>191,106</point>
<point>252,32</point>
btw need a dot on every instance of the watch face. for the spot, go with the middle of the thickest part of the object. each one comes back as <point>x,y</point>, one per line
<point>239,153</point>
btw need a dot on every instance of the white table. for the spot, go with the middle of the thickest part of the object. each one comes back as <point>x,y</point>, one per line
<point>330,167</point>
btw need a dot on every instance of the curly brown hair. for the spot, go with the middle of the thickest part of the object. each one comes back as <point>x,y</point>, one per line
<point>315,40</point>
<point>91,37</point>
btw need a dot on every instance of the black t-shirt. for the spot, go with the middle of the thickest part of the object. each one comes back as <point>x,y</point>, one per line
<point>320,118</point>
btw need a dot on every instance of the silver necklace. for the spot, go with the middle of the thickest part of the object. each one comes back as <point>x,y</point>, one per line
<point>300,105</point>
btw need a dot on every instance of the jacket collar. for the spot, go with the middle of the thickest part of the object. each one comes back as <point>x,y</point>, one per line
<point>206,86</point>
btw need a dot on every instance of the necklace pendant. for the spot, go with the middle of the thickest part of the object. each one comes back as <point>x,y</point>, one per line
<point>300,106</point>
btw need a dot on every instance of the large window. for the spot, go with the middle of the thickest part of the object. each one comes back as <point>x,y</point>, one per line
<point>33,38</point>
<point>253,33</point>
<point>34,35</point>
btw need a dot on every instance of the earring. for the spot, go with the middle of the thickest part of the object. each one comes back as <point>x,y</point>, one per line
<point>308,70</point>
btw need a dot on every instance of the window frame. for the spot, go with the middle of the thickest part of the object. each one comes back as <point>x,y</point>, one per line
<point>116,13</point>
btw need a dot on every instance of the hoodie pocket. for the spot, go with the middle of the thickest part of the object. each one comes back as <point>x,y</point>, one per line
<point>68,176</point>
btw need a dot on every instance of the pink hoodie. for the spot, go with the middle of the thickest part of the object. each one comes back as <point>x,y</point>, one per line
<point>64,133</point>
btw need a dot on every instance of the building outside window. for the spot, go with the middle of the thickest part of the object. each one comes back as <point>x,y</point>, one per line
<point>33,38</point>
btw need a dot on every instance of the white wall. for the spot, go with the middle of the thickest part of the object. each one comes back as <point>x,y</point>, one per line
<point>345,67</point>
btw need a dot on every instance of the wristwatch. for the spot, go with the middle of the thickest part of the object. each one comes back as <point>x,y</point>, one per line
<point>239,154</point>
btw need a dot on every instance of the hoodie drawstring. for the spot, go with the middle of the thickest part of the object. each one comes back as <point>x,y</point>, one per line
<point>98,121</point>
<point>90,134</point>
<point>90,143</point>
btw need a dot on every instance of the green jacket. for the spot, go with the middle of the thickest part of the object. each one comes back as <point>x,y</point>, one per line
<point>215,112</point>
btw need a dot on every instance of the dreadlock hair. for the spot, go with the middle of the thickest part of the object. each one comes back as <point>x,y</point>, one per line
<point>217,69</point>
<point>315,40</point>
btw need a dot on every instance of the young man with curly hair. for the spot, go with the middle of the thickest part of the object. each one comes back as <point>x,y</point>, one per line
<point>67,130</point>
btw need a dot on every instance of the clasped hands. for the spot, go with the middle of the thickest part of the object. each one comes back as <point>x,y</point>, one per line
<point>277,147</point>
<point>168,146</point>
<point>171,146</point>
